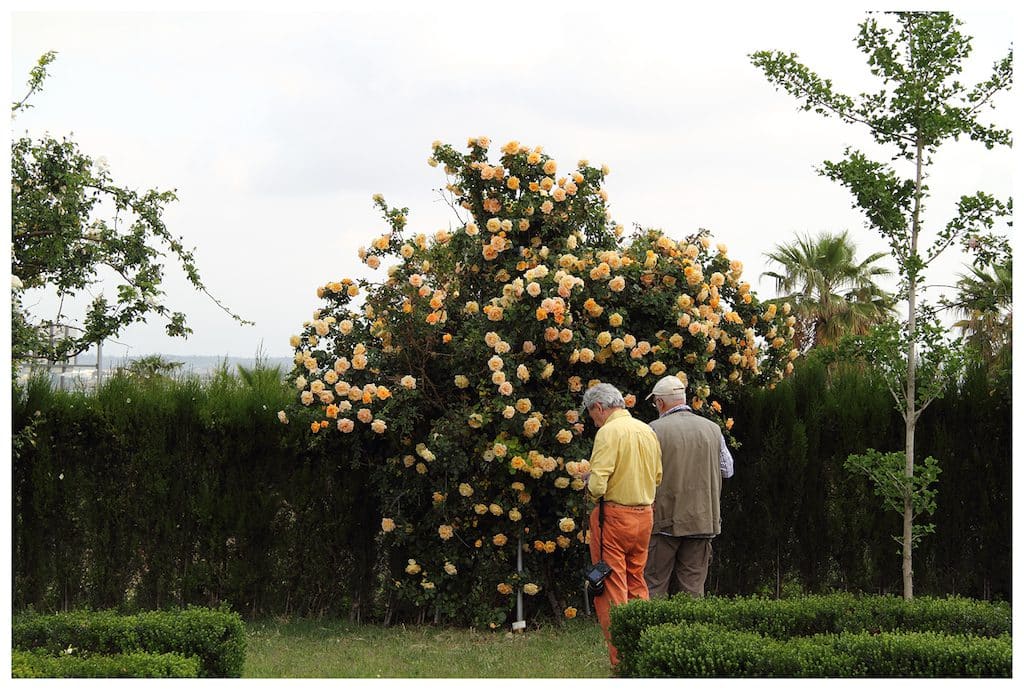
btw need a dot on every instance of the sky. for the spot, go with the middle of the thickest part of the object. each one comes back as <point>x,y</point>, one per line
<point>276,126</point>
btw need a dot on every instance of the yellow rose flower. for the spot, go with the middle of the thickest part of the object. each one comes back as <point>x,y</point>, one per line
<point>387,525</point>
<point>570,612</point>
<point>530,588</point>
<point>567,524</point>
<point>450,569</point>
<point>445,532</point>
<point>499,540</point>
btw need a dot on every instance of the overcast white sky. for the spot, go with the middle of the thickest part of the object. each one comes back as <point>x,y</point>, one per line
<point>277,126</point>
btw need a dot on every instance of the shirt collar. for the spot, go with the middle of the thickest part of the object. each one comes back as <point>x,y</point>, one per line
<point>621,412</point>
<point>678,408</point>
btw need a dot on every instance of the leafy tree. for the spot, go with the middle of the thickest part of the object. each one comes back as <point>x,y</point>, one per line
<point>985,303</point>
<point>920,106</point>
<point>833,294</point>
<point>69,221</point>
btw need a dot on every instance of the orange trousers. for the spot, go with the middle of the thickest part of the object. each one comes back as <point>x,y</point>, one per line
<point>627,530</point>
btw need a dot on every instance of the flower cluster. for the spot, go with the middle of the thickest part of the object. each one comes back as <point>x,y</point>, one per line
<point>458,375</point>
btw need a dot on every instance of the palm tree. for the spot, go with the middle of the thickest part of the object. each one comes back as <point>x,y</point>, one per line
<point>833,295</point>
<point>986,304</point>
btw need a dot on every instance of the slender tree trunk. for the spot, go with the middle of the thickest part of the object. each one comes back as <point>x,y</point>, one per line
<point>910,416</point>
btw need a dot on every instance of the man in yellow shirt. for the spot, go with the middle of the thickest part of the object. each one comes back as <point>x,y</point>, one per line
<point>625,470</point>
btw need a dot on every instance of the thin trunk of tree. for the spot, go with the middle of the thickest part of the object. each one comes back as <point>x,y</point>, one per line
<point>911,388</point>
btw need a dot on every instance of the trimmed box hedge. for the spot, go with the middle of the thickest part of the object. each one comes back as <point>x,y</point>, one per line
<point>676,650</point>
<point>41,664</point>
<point>215,637</point>
<point>788,619</point>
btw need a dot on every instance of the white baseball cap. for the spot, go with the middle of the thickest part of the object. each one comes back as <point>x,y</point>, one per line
<point>667,386</point>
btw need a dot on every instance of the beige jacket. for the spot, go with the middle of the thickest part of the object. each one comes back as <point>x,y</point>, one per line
<point>687,501</point>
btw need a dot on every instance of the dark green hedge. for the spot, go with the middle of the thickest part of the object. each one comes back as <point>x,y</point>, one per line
<point>703,650</point>
<point>793,519</point>
<point>215,637</point>
<point>785,619</point>
<point>40,664</point>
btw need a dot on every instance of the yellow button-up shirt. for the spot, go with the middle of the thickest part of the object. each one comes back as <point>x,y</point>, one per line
<point>625,464</point>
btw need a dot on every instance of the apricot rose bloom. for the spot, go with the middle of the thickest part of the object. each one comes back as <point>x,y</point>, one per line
<point>387,525</point>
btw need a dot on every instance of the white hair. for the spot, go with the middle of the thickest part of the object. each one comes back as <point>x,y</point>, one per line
<point>604,393</point>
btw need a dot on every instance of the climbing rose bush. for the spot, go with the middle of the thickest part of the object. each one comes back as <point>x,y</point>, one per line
<point>457,377</point>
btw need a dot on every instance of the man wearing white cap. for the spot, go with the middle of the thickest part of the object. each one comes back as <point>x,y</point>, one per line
<point>695,459</point>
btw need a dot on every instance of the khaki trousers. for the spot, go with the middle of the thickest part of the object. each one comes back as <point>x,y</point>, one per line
<point>625,535</point>
<point>684,559</point>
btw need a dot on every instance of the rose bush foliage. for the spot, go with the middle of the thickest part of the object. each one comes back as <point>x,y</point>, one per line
<point>457,378</point>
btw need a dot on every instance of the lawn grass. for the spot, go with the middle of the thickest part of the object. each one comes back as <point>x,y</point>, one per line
<point>340,649</point>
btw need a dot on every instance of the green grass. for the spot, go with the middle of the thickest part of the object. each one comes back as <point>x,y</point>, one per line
<point>339,649</point>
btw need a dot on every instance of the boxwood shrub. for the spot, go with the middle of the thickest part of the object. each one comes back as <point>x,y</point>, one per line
<point>41,664</point>
<point>215,637</point>
<point>785,619</point>
<point>702,650</point>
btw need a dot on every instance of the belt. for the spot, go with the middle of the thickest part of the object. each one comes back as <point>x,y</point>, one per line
<point>638,508</point>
